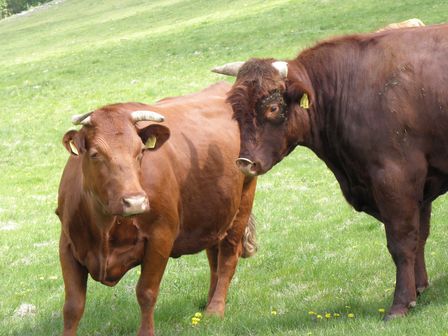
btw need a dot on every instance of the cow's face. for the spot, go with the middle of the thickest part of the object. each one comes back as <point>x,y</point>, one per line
<point>260,106</point>
<point>111,149</point>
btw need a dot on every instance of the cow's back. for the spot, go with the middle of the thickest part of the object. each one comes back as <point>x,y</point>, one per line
<point>194,172</point>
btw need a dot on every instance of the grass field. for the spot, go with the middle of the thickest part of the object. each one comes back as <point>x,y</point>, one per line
<point>316,253</point>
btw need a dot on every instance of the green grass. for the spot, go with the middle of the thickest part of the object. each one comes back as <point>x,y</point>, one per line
<point>316,253</point>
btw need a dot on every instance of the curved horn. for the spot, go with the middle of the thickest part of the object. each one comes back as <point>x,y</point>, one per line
<point>229,69</point>
<point>144,115</point>
<point>82,119</point>
<point>282,68</point>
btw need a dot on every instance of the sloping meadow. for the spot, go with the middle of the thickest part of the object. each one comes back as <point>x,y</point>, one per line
<point>321,269</point>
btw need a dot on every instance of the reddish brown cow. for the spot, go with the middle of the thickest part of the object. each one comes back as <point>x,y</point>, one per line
<point>376,113</point>
<point>122,204</point>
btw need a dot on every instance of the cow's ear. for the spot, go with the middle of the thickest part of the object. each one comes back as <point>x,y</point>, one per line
<point>154,136</point>
<point>74,142</point>
<point>299,89</point>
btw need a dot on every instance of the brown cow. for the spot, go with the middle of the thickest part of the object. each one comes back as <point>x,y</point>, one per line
<point>123,205</point>
<point>376,113</point>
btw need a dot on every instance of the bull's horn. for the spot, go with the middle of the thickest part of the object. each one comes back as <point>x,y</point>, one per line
<point>229,69</point>
<point>81,119</point>
<point>144,115</point>
<point>282,67</point>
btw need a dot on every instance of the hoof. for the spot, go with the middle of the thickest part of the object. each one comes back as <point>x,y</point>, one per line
<point>213,311</point>
<point>390,316</point>
<point>421,289</point>
<point>396,312</point>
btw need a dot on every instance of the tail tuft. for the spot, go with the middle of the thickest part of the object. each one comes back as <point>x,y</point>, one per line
<point>250,239</point>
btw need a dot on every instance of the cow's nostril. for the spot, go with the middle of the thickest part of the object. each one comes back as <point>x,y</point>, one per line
<point>126,202</point>
<point>247,166</point>
<point>134,205</point>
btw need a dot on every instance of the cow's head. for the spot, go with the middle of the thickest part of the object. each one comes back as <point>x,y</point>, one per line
<point>111,148</point>
<point>264,103</point>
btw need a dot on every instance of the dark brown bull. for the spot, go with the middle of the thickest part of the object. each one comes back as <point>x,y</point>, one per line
<point>122,204</point>
<point>376,112</point>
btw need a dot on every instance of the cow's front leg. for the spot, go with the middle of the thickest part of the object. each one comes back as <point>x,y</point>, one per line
<point>157,252</point>
<point>75,282</point>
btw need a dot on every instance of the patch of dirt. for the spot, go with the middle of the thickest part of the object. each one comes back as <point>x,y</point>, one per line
<point>25,309</point>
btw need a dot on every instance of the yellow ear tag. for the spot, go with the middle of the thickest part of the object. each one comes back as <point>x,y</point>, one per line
<point>304,101</point>
<point>151,142</point>
<point>73,148</point>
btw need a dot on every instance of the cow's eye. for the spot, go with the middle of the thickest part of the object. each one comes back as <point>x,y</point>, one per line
<point>94,155</point>
<point>274,108</point>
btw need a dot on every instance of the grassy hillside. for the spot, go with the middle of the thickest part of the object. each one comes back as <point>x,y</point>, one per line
<point>316,254</point>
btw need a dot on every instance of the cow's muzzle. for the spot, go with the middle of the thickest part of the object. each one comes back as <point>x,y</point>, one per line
<point>248,167</point>
<point>134,205</point>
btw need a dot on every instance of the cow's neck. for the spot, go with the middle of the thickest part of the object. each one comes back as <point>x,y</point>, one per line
<point>316,73</point>
<point>100,225</point>
<point>331,82</point>
<point>112,245</point>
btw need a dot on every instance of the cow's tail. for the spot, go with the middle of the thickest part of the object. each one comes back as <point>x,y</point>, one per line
<point>249,241</point>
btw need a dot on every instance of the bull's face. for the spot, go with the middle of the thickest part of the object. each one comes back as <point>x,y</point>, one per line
<point>260,106</point>
<point>111,149</point>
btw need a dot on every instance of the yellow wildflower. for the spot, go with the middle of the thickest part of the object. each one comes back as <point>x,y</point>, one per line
<point>350,315</point>
<point>198,315</point>
<point>311,313</point>
<point>336,315</point>
<point>381,310</point>
<point>327,315</point>
<point>273,312</point>
<point>319,317</point>
<point>195,320</point>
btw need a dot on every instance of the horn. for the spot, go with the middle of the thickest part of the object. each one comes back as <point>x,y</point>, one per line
<point>82,119</point>
<point>282,68</point>
<point>144,115</point>
<point>229,69</point>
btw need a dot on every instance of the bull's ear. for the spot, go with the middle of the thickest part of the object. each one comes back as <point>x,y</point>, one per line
<point>74,142</point>
<point>299,89</point>
<point>154,136</point>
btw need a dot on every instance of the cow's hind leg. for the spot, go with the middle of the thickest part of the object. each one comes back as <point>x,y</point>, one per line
<point>402,239</point>
<point>421,276</point>
<point>75,282</point>
<point>229,250</point>
<point>397,191</point>
<point>212,255</point>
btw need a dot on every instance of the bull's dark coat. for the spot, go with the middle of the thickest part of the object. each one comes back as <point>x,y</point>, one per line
<point>198,199</point>
<point>378,118</point>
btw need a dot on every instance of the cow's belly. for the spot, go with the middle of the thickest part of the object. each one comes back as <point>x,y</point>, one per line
<point>202,232</point>
<point>194,242</point>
